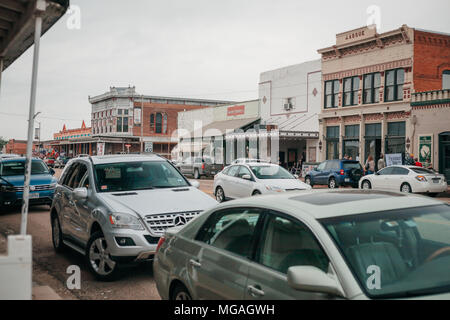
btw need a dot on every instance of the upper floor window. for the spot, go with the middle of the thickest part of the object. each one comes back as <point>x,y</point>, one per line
<point>446,80</point>
<point>372,83</point>
<point>158,122</point>
<point>394,85</point>
<point>351,88</point>
<point>122,121</point>
<point>331,94</point>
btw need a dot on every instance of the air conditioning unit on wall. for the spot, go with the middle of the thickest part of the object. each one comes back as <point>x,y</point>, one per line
<point>288,106</point>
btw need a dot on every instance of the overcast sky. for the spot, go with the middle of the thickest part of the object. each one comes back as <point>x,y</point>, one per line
<point>212,49</point>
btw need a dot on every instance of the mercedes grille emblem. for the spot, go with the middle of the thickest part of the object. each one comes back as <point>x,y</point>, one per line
<point>179,221</point>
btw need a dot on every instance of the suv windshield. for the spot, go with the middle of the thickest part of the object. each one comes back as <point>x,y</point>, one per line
<point>271,172</point>
<point>398,253</point>
<point>17,168</point>
<point>128,176</point>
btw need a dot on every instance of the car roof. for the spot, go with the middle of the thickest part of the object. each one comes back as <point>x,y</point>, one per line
<point>15,159</point>
<point>321,204</point>
<point>122,158</point>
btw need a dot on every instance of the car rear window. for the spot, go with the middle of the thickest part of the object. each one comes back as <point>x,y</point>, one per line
<point>422,170</point>
<point>351,165</point>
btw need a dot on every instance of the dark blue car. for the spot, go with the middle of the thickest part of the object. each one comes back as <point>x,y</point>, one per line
<point>336,173</point>
<point>12,176</point>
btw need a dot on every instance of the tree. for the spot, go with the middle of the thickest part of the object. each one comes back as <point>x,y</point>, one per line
<point>2,143</point>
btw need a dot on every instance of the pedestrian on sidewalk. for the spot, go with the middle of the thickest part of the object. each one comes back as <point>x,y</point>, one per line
<point>381,163</point>
<point>370,165</point>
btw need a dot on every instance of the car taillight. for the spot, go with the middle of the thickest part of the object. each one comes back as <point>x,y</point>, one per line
<point>160,243</point>
<point>203,166</point>
<point>421,178</point>
<point>342,172</point>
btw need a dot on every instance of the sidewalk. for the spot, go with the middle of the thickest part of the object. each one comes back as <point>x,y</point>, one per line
<point>39,292</point>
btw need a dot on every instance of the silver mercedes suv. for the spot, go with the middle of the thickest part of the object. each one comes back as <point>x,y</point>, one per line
<point>114,209</point>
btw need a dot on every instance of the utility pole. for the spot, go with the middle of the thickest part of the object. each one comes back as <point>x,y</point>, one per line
<point>142,123</point>
<point>40,8</point>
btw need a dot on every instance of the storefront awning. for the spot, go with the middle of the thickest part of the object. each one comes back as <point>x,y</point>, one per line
<point>220,128</point>
<point>17,25</point>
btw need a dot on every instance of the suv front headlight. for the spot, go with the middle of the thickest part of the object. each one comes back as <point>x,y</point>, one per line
<point>125,221</point>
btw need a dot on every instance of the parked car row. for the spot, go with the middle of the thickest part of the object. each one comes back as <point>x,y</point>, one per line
<point>280,240</point>
<point>409,179</point>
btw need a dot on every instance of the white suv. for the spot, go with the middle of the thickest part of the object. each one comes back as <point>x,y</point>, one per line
<point>114,209</point>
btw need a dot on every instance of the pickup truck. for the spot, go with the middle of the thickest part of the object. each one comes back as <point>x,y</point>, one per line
<point>198,167</point>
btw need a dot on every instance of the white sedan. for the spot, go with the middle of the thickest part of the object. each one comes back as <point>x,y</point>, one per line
<point>409,179</point>
<point>250,179</point>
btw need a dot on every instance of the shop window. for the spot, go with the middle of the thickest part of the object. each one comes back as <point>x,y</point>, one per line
<point>351,142</point>
<point>394,85</point>
<point>396,129</point>
<point>331,94</point>
<point>373,130</point>
<point>372,83</point>
<point>332,143</point>
<point>351,88</point>
<point>446,80</point>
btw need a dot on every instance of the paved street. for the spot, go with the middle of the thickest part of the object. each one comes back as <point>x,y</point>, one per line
<point>49,268</point>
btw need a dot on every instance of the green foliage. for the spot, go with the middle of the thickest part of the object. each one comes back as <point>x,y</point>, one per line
<point>2,142</point>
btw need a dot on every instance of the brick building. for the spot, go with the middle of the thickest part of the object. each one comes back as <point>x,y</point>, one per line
<point>368,80</point>
<point>124,121</point>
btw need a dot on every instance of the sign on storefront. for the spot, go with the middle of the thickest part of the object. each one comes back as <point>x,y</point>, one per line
<point>426,149</point>
<point>394,159</point>
<point>137,116</point>
<point>100,148</point>
<point>148,147</point>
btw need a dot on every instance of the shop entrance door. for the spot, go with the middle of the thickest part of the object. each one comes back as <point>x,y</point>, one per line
<point>444,154</point>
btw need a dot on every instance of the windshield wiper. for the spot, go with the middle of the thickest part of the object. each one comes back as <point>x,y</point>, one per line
<point>144,188</point>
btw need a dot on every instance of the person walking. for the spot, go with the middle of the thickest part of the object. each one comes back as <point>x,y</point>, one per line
<point>370,165</point>
<point>381,163</point>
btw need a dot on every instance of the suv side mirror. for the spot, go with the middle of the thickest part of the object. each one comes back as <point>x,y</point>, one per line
<point>80,193</point>
<point>52,172</point>
<point>312,279</point>
<point>246,177</point>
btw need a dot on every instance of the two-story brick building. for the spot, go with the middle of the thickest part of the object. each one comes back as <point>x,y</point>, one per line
<point>368,79</point>
<point>126,121</point>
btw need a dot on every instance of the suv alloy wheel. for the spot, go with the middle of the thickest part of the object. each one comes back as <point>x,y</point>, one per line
<point>99,260</point>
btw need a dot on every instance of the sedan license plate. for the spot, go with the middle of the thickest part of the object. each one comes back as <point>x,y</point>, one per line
<point>436,180</point>
<point>347,179</point>
<point>34,195</point>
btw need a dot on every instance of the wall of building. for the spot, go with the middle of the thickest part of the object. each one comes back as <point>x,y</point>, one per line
<point>431,120</point>
<point>356,57</point>
<point>431,58</point>
<point>301,84</point>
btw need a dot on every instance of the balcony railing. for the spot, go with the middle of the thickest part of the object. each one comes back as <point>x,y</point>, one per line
<point>430,97</point>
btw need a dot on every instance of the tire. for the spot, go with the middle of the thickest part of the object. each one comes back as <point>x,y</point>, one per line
<point>196,174</point>
<point>366,185</point>
<point>332,183</point>
<point>180,293</point>
<point>98,259</point>
<point>256,193</point>
<point>406,188</point>
<point>57,238</point>
<point>308,181</point>
<point>220,195</point>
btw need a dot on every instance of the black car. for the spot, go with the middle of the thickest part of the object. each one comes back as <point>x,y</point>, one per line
<point>336,173</point>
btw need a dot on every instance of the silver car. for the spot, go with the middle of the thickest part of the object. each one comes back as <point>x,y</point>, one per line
<point>345,244</point>
<point>114,209</point>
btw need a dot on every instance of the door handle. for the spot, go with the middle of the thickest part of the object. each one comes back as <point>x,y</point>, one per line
<point>255,291</point>
<point>194,263</point>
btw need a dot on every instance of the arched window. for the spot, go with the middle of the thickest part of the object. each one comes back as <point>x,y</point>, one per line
<point>164,122</point>
<point>446,80</point>
<point>152,122</point>
<point>158,123</point>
